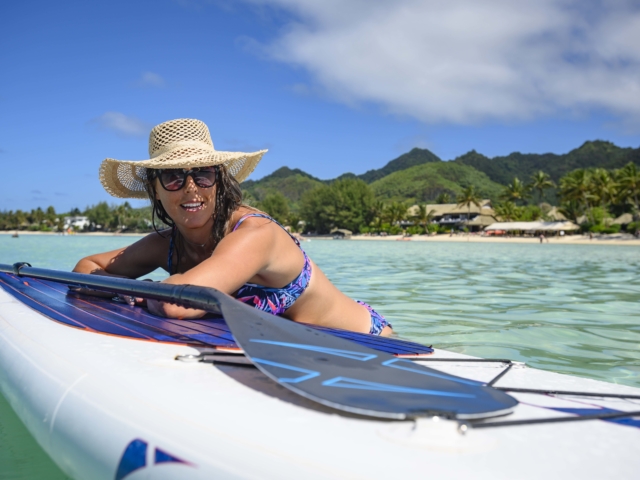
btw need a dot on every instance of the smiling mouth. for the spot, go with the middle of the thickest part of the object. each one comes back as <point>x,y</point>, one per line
<point>192,207</point>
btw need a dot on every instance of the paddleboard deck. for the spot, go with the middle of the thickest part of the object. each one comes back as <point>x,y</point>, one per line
<point>107,405</point>
<point>105,316</point>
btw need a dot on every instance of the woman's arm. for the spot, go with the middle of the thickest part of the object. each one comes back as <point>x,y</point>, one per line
<point>240,257</point>
<point>138,259</point>
<point>133,261</point>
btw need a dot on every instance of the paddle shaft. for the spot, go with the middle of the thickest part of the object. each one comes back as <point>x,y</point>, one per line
<point>189,296</point>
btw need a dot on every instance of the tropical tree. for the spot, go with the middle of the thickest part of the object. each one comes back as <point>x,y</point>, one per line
<point>516,191</point>
<point>603,187</point>
<point>530,213</point>
<point>396,212</point>
<point>442,198</point>
<point>540,181</point>
<point>571,209</point>
<point>99,214</point>
<point>423,217</point>
<point>19,218</point>
<point>467,197</point>
<point>36,216</point>
<point>345,203</point>
<point>51,215</point>
<point>121,214</point>
<point>276,205</point>
<point>507,211</point>
<point>628,180</point>
<point>377,213</point>
<point>576,186</point>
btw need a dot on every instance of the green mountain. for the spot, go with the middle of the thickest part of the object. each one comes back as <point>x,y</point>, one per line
<point>419,175</point>
<point>522,165</point>
<point>425,182</point>
<point>417,156</point>
<point>291,183</point>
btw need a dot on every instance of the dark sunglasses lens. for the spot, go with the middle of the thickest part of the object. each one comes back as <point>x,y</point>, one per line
<point>205,178</point>
<point>172,179</point>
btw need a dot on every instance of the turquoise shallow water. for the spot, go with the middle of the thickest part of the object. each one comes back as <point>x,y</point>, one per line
<point>567,308</point>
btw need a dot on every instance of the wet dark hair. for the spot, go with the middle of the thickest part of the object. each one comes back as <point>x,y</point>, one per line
<point>228,200</point>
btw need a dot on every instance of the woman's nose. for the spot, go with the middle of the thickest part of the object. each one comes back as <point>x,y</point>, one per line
<point>190,184</point>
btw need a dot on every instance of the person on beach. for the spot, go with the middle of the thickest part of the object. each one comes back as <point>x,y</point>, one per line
<point>214,239</point>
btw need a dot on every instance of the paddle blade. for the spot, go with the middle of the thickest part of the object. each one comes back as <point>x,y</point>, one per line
<point>350,377</point>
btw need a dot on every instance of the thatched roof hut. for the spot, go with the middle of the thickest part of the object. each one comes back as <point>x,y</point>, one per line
<point>341,233</point>
<point>623,219</point>
<point>533,226</point>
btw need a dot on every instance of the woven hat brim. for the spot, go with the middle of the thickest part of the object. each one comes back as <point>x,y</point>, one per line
<point>126,178</point>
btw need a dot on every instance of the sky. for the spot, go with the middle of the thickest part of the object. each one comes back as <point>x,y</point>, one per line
<point>329,86</point>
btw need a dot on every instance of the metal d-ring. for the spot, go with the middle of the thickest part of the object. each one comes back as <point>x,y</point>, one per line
<point>17,266</point>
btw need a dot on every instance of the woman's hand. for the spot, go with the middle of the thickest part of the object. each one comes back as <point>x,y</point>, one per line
<point>171,310</point>
<point>130,300</point>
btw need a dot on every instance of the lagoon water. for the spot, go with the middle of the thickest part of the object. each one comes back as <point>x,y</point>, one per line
<point>566,308</point>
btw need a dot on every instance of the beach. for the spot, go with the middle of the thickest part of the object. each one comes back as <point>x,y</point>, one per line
<point>615,239</point>
<point>626,240</point>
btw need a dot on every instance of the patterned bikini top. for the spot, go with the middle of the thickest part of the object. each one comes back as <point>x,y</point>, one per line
<point>275,300</point>
<point>271,300</point>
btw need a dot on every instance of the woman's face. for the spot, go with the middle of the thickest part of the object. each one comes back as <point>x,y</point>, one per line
<point>191,206</point>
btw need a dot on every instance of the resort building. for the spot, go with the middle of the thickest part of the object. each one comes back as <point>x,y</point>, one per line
<point>456,216</point>
<point>77,223</point>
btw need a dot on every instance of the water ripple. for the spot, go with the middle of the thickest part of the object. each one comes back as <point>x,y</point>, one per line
<point>570,309</point>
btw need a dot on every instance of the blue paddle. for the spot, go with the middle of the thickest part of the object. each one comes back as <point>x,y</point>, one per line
<point>329,370</point>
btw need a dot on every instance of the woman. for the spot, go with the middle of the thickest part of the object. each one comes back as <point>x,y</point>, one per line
<point>215,240</point>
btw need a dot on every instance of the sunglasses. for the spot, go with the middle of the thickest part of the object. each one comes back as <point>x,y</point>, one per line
<point>175,178</point>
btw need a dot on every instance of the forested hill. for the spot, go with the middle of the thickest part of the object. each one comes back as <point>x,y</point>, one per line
<point>522,165</point>
<point>291,183</point>
<point>423,183</point>
<point>417,156</point>
<point>419,175</point>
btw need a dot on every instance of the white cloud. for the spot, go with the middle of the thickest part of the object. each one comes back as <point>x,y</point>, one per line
<point>123,124</point>
<point>468,61</point>
<point>150,79</point>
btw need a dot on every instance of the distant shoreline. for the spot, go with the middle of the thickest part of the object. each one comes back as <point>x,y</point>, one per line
<point>461,238</point>
<point>556,240</point>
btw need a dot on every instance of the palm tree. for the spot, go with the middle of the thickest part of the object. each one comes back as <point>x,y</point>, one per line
<point>507,211</point>
<point>122,214</point>
<point>603,187</point>
<point>377,212</point>
<point>629,186</point>
<point>571,209</point>
<point>540,181</point>
<point>396,212</point>
<point>576,186</point>
<point>467,197</point>
<point>423,217</point>
<point>444,197</point>
<point>515,191</point>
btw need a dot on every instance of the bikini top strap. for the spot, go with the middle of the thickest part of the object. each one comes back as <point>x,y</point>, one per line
<point>262,215</point>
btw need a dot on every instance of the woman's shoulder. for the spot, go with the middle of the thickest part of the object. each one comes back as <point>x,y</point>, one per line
<point>248,216</point>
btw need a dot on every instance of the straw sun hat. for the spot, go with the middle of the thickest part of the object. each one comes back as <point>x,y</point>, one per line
<point>182,143</point>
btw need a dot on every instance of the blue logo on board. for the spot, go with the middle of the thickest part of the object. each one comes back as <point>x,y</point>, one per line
<point>135,458</point>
